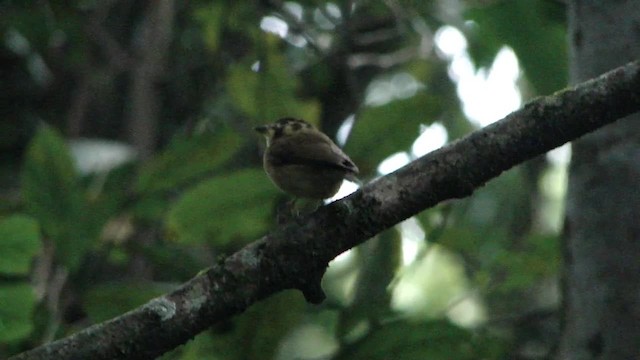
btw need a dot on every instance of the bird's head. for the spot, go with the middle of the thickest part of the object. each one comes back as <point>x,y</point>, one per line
<point>283,128</point>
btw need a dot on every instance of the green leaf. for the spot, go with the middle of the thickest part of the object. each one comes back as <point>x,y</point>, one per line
<point>107,301</point>
<point>420,340</point>
<point>187,158</point>
<point>380,259</point>
<point>202,347</point>
<point>211,19</point>
<point>18,302</point>
<point>19,243</point>
<point>384,130</point>
<point>538,260</point>
<point>270,93</point>
<point>224,208</point>
<point>53,195</point>
<point>405,340</point>
<point>175,262</point>
<point>150,208</point>
<point>267,322</point>
<point>534,29</point>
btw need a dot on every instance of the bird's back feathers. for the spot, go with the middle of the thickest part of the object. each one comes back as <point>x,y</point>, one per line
<point>307,152</point>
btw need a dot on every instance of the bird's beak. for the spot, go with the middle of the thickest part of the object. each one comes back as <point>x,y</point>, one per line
<point>262,129</point>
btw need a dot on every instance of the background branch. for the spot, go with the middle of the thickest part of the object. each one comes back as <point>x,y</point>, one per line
<point>295,255</point>
<point>150,51</point>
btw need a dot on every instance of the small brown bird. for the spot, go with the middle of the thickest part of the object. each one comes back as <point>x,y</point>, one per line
<point>303,161</point>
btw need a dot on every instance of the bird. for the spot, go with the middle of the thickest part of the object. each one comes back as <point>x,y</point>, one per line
<point>304,162</point>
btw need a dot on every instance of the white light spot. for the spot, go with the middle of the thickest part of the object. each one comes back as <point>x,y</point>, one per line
<point>307,342</point>
<point>393,163</point>
<point>560,156</point>
<point>345,130</point>
<point>409,251</point>
<point>413,237</point>
<point>488,97</point>
<point>39,69</point>
<point>296,40</point>
<point>294,9</point>
<point>468,312</point>
<point>255,67</point>
<point>344,257</point>
<point>15,41</point>
<point>399,86</point>
<point>99,155</point>
<point>405,85</point>
<point>346,189</point>
<point>333,10</point>
<point>322,20</point>
<point>450,41</point>
<point>274,25</point>
<point>379,93</point>
<point>432,137</point>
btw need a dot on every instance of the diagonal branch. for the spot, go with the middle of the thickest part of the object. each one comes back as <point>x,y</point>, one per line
<point>296,255</point>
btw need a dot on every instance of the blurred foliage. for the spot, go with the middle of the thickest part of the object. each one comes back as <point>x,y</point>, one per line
<point>535,30</point>
<point>105,301</point>
<point>205,152</point>
<point>240,200</point>
<point>399,121</point>
<point>52,194</point>
<point>18,302</point>
<point>271,92</point>
<point>420,340</point>
<point>451,284</point>
<point>21,243</point>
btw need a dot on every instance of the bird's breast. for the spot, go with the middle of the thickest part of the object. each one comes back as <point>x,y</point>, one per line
<point>306,181</point>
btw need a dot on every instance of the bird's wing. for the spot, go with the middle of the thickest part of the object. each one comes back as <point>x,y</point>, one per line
<point>310,150</point>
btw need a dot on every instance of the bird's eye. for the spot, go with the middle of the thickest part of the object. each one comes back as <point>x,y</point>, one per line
<point>277,132</point>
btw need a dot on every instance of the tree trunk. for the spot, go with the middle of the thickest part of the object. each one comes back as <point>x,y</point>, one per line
<point>601,280</point>
<point>150,52</point>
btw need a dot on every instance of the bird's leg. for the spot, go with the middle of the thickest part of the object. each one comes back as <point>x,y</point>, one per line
<point>306,207</point>
<point>286,212</point>
<point>295,209</point>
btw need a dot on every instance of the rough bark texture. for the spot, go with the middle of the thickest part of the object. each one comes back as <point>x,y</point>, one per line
<point>296,254</point>
<point>602,241</point>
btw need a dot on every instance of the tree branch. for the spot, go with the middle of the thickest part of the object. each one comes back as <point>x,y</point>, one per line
<point>296,255</point>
